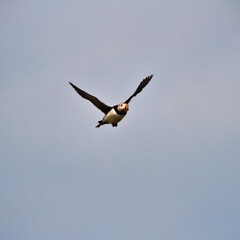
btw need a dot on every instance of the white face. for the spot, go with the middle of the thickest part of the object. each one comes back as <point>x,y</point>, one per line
<point>123,107</point>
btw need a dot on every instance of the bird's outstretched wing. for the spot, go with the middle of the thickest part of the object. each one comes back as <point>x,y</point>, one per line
<point>140,87</point>
<point>95,101</point>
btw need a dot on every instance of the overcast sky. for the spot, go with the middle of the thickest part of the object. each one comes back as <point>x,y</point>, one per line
<point>170,170</point>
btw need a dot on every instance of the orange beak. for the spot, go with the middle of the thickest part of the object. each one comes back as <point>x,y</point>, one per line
<point>126,107</point>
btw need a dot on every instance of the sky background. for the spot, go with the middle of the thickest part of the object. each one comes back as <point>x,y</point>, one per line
<point>170,170</point>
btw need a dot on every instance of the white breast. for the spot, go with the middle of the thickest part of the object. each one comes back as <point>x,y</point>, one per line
<point>112,117</point>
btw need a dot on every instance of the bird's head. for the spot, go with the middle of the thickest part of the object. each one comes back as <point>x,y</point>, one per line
<point>123,107</point>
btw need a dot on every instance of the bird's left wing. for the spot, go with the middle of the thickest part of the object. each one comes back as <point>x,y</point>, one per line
<point>95,101</point>
<point>140,87</point>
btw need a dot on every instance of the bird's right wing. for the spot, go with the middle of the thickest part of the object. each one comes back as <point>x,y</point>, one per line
<point>95,101</point>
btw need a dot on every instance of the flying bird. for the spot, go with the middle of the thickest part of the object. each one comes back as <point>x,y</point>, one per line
<point>114,114</point>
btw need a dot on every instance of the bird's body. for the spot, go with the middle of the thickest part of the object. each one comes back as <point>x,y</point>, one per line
<point>112,117</point>
<point>114,114</point>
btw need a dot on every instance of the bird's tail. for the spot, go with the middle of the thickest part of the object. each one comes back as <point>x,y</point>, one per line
<point>100,123</point>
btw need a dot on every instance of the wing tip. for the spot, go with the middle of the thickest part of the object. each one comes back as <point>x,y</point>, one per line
<point>75,87</point>
<point>147,79</point>
<point>150,76</point>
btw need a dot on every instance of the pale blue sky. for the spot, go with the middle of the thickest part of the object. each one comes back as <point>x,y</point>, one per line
<point>170,170</point>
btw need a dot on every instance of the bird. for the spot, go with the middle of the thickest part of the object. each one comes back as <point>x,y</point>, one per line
<point>113,115</point>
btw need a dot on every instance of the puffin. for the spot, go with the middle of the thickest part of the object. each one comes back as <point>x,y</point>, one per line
<point>113,115</point>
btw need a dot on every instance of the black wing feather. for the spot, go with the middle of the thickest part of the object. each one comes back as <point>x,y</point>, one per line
<point>140,87</point>
<point>95,101</point>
